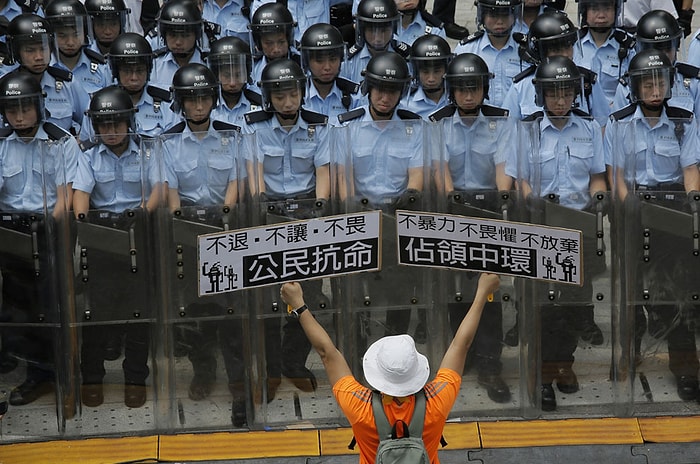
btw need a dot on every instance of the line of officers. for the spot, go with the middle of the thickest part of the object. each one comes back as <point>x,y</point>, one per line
<point>309,142</point>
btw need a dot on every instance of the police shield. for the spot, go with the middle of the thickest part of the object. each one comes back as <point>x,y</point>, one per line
<point>206,193</point>
<point>655,184</point>
<point>33,212</point>
<point>561,174</point>
<point>382,165</point>
<point>471,180</point>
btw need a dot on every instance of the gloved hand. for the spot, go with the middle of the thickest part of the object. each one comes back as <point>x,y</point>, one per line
<point>685,20</point>
<point>410,200</point>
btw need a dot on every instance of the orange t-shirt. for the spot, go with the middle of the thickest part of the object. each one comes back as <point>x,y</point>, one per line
<point>356,402</point>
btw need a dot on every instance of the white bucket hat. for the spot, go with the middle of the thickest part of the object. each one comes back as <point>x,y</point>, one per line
<point>393,366</point>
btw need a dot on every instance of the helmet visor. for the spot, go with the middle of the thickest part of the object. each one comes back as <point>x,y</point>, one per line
<point>498,20</point>
<point>23,112</point>
<point>650,86</point>
<point>230,70</point>
<point>70,36</point>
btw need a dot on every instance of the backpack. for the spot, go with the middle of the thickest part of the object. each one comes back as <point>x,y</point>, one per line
<point>408,449</point>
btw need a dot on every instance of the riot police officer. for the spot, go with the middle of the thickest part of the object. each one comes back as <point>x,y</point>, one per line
<point>322,59</point>
<point>294,174</point>
<point>376,23</point>
<point>652,146</point>
<point>430,55</point>
<point>568,170</point>
<point>109,180</point>
<point>416,21</point>
<point>180,30</point>
<point>36,179</point>
<point>272,36</point>
<point>109,19</point>
<point>231,62</point>
<point>476,147</point>
<point>493,41</point>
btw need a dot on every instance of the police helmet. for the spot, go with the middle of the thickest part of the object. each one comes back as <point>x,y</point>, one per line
<point>551,30</point>
<point>660,30</point>
<point>429,51</point>
<point>279,75</point>
<point>180,16</point>
<point>375,13</point>
<point>26,29</point>
<point>130,48</point>
<point>230,54</point>
<point>111,105</point>
<point>319,41</point>
<point>67,13</point>
<point>650,64</point>
<point>558,74</point>
<point>387,70</point>
<point>194,80</point>
<point>108,10</point>
<point>512,8</point>
<point>467,70</point>
<point>585,5</point>
<point>20,90</point>
<point>271,18</point>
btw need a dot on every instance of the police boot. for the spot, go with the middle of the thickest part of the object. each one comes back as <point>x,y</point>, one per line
<point>588,329</point>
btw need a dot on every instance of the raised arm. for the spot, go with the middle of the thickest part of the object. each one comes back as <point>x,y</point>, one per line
<point>456,354</point>
<point>333,361</point>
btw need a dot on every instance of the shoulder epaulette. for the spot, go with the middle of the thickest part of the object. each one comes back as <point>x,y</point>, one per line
<point>589,77</point>
<point>312,117</point>
<point>94,56</point>
<point>160,52</point>
<point>60,74</point>
<point>494,111</point>
<point>624,38</point>
<point>177,128</point>
<point>85,145</point>
<point>159,94</point>
<point>688,70</point>
<point>405,114</point>
<point>624,112</point>
<point>253,96</point>
<point>346,85</point>
<point>354,50</point>
<point>473,37</point>
<point>6,131</point>
<point>402,48</point>
<point>256,116</point>
<point>53,131</point>
<point>580,113</point>
<point>442,113</point>
<point>28,6</point>
<point>431,19</point>
<point>523,74</point>
<point>350,115</point>
<point>675,112</point>
<point>225,126</point>
<point>534,116</point>
<point>152,32</point>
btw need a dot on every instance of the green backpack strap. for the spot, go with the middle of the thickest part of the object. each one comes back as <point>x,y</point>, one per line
<point>386,430</point>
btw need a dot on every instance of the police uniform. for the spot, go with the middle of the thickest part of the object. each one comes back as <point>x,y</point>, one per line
<point>91,73</point>
<point>165,65</point>
<point>30,174</point>
<point>562,169</point>
<point>248,101</point>
<point>660,155</point>
<point>505,63</point>
<point>230,16</point>
<point>114,184</point>
<point>358,57</point>
<point>420,25</point>
<point>419,103</point>
<point>260,63</point>
<point>344,96</point>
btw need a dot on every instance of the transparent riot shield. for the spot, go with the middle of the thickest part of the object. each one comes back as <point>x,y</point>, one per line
<point>561,175</point>
<point>382,166</point>
<point>655,183</point>
<point>469,172</point>
<point>293,175</point>
<point>33,206</point>
<point>206,328</point>
<point>114,200</point>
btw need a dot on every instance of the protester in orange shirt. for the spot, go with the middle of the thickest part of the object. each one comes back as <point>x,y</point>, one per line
<point>396,370</point>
